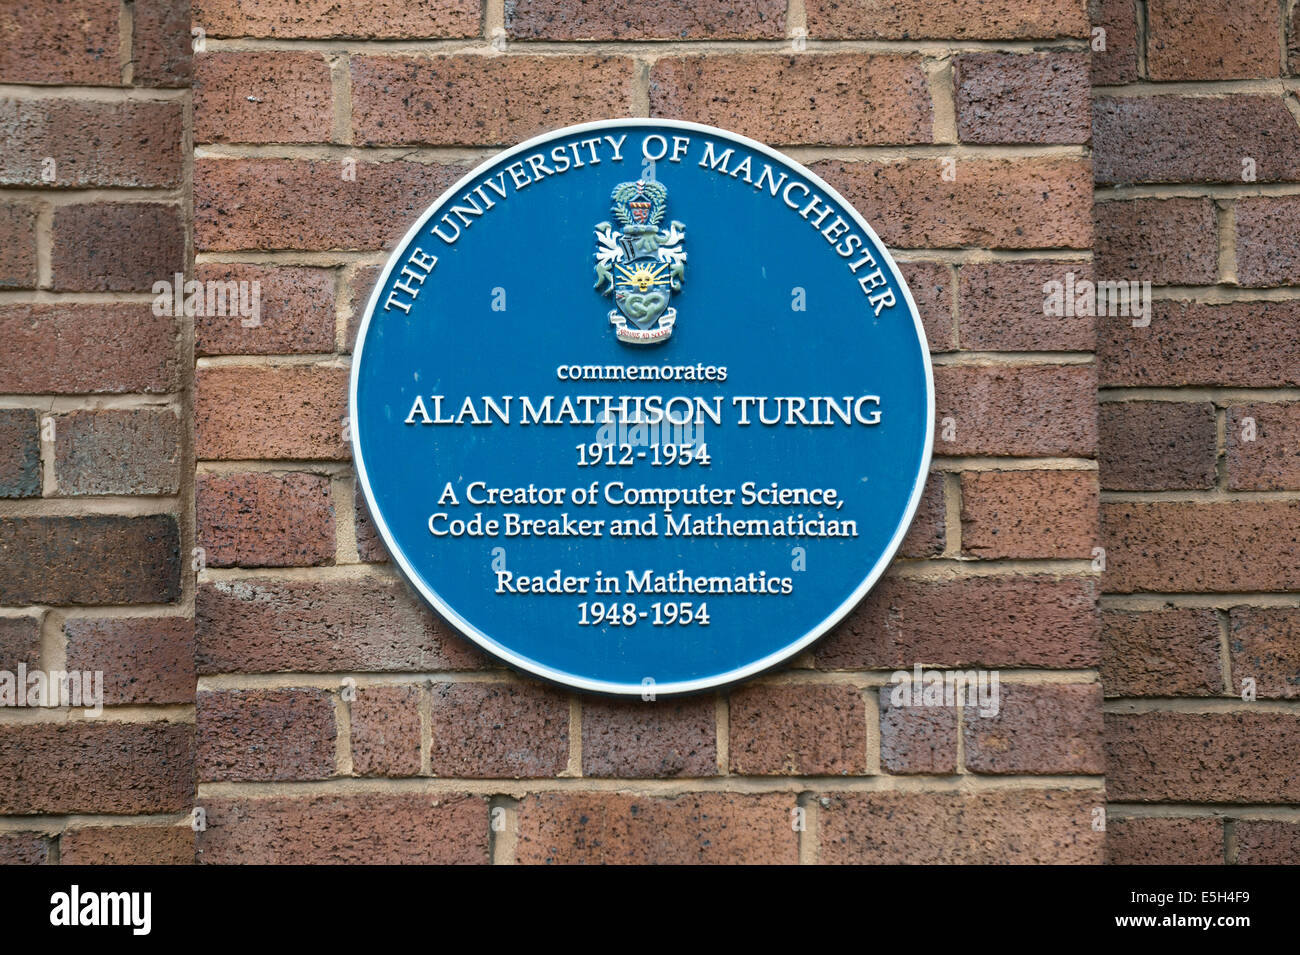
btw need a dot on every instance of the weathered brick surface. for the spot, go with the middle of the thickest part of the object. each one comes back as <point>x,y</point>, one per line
<point>251,735</point>
<point>963,20</point>
<point>1029,514</point>
<point>978,828</point>
<point>259,97</point>
<point>994,203</point>
<point>630,20</point>
<point>386,731</point>
<point>1171,546</point>
<point>359,288</point>
<point>260,625</point>
<point>24,848</point>
<point>351,829</point>
<point>143,659</point>
<point>132,451</point>
<point>928,533</point>
<point>1003,307</point>
<point>1022,98</point>
<point>20,642</point>
<point>379,19</point>
<point>1172,652</point>
<point>1264,447</point>
<point>1264,645</point>
<point>97,559</point>
<point>637,739</point>
<point>370,546</point>
<point>499,730</point>
<point>86,349</point>
<point>798,729</point>
<point>1193,138</point>
<point>1118,62</point>
<point>1267,842</point>
<point>294,311</point>
<point>96,767</point>
<point>17,245</point>
<point>161,44</point>
<point>1164,841</point>
<point>834,99</point>
<point>46,43</point>
<point>293,412</point>
<point>1237,757</point>
<point>1212,39</point>
<point>116,247</point>
<point>1157,445</point>
<point>604,827</point>
<point>1268,246</point>
<point>473,100</point>
<point>1161,241</point>
<point>20,453</point>
<point>1037,729</point>
<point>1019,411</point>
<point>264,520</point>
<point>916,739</point>
<point>1034,621</point>
<point>127,845</point>
<point>931,286</point>
<point>93,144</point>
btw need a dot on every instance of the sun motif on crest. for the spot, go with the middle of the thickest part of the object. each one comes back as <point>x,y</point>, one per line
<point>643,276</point>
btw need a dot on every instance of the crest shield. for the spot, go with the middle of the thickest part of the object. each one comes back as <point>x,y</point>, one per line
<point>640,264</point>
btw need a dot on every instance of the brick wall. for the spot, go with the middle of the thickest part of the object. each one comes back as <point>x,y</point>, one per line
<point>1197,165</point>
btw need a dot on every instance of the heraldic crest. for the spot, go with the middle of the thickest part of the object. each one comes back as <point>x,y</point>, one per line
<point>640,263</point>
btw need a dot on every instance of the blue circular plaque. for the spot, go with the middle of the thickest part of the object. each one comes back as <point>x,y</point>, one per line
<point>641,407</point>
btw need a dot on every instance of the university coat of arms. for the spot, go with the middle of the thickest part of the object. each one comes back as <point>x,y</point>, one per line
<point>640,264</point>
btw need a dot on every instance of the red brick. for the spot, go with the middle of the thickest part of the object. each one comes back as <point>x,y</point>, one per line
<point>143,659</point>
<point>1157,445</point>
<point>1202,757</point>
<point>1034,621</point>
<point>257,625</point>
<point>24,848</point>
<point>1019,827</point>
<point>20,642</point>
<point>1003,307</point>
<point>261,735</point>
<point>646,740</point>
<point>1271,461</point>
<point>133,143</point>
<point>1193,138</point>
<point>1116,64</point>
<point>499,730</point>
<point>17,246</point>
<point>1170,546</point>
<point>693,828</point>
<point>1244,344</point>
<point>295,311</point>
<point>294,412</point>
<point>349,829</point>
<point>1268,247</point>
<point>1267,842</point>
<point>386,731</point>
<point>97,559</point>
<point>630,20</point>
<point>56,41</point>
<point>931,286</point>
<point>1017,410</point>
<point>1144,840</point>
<point>20,453</point>
<point>1037,729</point>
<point>96,767</point>
<point>961,20</point>
<point>370,546</point>
<point>1264,643</point>
<point>1161,241</point>
<point>798,730</point>
<point>313,19</point>
<point>131,451</point>
<point>1293,44</point>
<point>263,97</point>
<point>843,99</point>
<point>1212,39</point>
<point>261,204</point>
<point>482,100</point>
<point>917,739</point>
<point>359,288</point>
<point>1029,203</point>
<point>86,349</point>
<point>161,43</point>
<point>116,247</point>
<point>1172,652</point>
<point>127,845</point>
<point>264,520</point>
<point>928,533</point>
<point>1028,514</point>
<point>1022,98</point>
